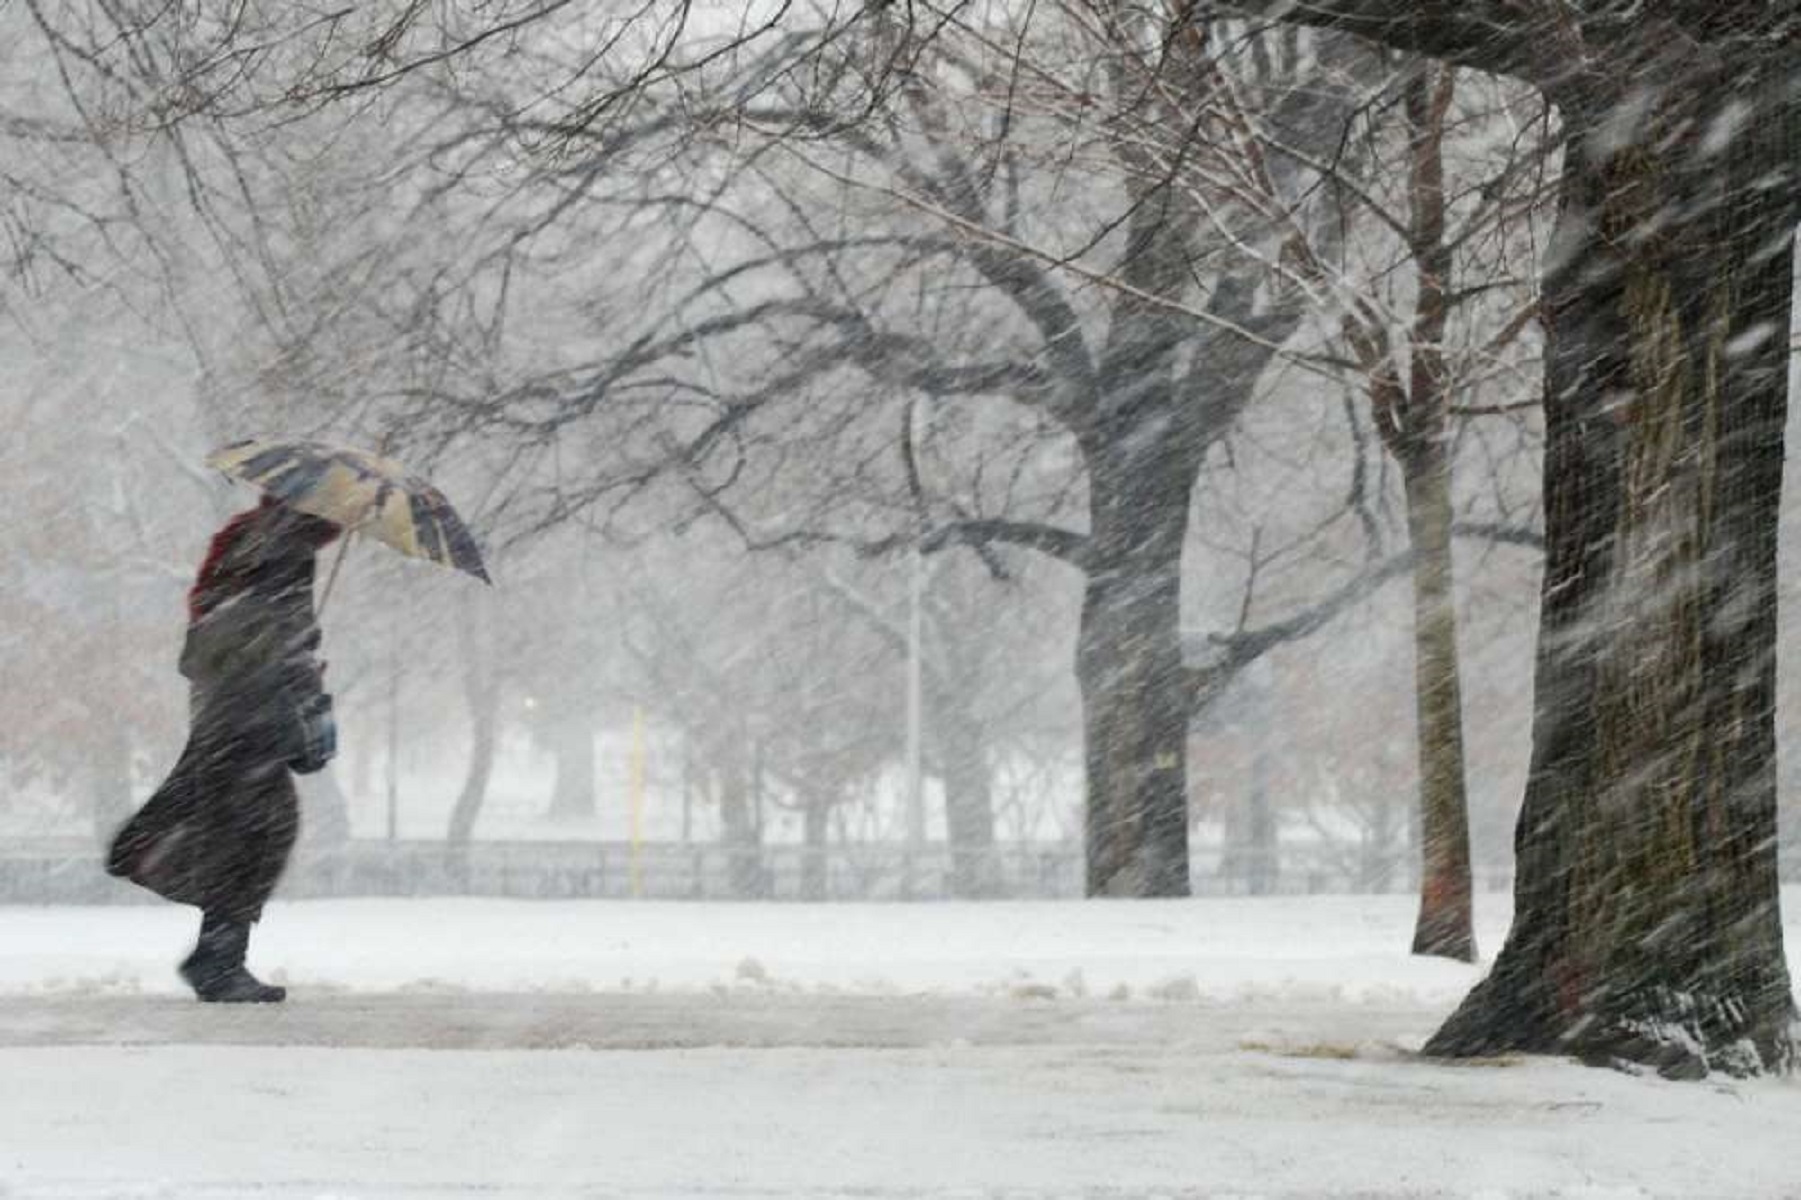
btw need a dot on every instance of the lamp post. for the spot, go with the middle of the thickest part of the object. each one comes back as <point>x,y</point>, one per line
<point>916,810</point>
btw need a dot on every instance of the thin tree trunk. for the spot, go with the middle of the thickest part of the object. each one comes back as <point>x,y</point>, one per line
<point>815,816</point>
<point>1260,841</point>
<point>1248,854</point>
<point>481,690</point>
<point>1445,924</point>
<point>481,770</point>
<point>687,788</point>
<point>1415,426</point>
<point>968,805</point>
<point>1647,926</point>
<point>1135,696</point>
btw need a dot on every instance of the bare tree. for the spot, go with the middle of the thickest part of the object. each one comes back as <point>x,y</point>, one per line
<point>1455,233</point>
<point>1118,357</point>
<point>1141,378</point>
<point>1179,318</point>
<point>782,695</point>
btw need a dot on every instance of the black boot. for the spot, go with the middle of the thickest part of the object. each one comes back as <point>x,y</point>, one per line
<point>215,970</point>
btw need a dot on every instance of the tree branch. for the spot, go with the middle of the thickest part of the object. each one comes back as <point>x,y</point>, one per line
<point>1065,544</point>
<point>1241,648</point>
<point>1494,531</point>
<point>1505,37</point>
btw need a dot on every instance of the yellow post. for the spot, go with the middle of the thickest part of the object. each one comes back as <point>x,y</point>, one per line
<point>637,790</point>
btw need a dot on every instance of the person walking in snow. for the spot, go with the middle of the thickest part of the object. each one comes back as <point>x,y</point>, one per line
<point>218,832</point>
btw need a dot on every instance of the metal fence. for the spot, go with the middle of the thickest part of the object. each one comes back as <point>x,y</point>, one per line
<point>70,872</point>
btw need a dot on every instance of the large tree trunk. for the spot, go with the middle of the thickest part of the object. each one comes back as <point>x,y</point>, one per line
<point>968,805</point>
<point>1444,926</point>
<point>1135,697</point>
<point>1646,920</point>
<point>740,832</point>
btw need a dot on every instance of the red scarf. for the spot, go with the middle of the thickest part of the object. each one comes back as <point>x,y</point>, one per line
<point>223,574</point>
<point>213,584</point>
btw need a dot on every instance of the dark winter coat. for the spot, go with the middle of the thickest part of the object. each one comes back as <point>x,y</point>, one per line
<point>218,832</point>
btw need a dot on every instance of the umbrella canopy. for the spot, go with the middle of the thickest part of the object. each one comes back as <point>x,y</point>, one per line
<point>365,493</point>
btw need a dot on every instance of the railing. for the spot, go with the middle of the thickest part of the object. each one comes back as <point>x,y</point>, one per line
<point>70,872</point>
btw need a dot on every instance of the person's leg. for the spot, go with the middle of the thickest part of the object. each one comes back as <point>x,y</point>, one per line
<point>215,970</point>
<point>248,839</point>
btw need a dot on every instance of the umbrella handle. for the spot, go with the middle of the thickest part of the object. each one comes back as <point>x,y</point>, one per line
<point>331,579</point>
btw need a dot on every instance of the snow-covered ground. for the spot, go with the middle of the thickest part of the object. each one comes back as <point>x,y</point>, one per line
<point>469,1048</point>
<point>1230,950</point>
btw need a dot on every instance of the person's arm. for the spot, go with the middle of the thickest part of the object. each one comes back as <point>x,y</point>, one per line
<point>294,640</point>
<point>222,642</point>
<point>256,643</point>
<point>300,682</point>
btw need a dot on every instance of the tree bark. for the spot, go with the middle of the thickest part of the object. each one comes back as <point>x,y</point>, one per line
<point>1261,837</point>
<point>481,770</point>
<point>814,824</point>
<point>739,832</point>
<point>968,804</point>
<point>1646,921</point>
<point>1414,422</point>
<point>1135,698</point>
<point>481,690</point>
<point>1444,926</point>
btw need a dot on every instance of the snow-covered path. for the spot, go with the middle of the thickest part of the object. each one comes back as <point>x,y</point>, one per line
<point>807,1096</point>
<point>458,1049</point>
<point>691,1021</point>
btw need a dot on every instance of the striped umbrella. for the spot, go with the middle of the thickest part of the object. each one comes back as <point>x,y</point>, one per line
<point>363,492</point>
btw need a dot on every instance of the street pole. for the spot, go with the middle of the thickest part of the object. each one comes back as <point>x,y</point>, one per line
<point>916,812</point>
<point>637,801</point>
<point>394,739</point>
<point>916,809</point>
